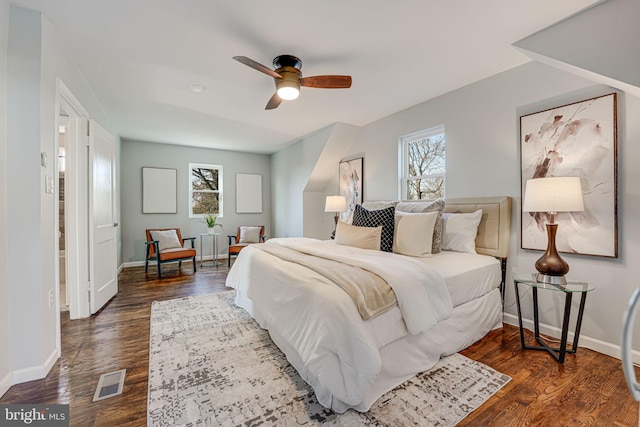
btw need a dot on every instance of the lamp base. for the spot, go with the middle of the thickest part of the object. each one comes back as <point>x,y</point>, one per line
<point>552,280</point>
<point>333,233</point>
<point>551,267</point>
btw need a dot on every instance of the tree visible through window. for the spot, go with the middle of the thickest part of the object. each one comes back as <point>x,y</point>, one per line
<point>205,190</point>
<point>423,156</point>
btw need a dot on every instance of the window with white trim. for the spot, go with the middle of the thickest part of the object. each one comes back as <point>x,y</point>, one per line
<point>423,165</point>
<point>205,190</point>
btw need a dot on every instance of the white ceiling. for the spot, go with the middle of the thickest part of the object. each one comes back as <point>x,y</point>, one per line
<point>139,57</point>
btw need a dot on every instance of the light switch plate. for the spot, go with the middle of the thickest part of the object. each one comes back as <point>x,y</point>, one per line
<point>48,185</point>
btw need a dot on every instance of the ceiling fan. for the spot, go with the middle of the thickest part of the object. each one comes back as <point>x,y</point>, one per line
<point>288,78</point>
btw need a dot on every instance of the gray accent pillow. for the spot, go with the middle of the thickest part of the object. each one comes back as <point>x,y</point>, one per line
<point>250,234</point>
<point>376,205</point>
<point>425,206</point>
<point>167,239</point>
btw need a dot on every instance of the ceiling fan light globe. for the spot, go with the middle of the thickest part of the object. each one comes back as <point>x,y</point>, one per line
<point>288,92</point>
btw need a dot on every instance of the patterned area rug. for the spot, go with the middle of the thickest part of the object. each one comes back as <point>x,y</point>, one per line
<point>210,364</point>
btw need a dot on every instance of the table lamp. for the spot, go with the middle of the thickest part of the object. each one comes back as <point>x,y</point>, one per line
<point>552,195</point>
<point>335,204</point>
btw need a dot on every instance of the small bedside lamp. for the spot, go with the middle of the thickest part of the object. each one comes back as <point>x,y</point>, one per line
<point>553,195</point>
<point>335,204</point>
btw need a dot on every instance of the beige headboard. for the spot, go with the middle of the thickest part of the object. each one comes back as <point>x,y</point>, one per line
<point>495,226</point>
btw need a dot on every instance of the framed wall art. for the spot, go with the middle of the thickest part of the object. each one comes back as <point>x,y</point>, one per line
<point>159,190</point>
<point>578,139</point>
<point>248,193</point>
<point>351,185</point>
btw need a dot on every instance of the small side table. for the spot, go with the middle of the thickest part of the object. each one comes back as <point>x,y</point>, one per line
<point>569,289</point>
<point>214,247</point>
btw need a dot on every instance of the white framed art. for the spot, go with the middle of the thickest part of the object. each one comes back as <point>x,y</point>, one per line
<point>578,139</point>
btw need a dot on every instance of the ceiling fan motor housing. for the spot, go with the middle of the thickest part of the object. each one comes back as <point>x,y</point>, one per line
<point>287,61</point>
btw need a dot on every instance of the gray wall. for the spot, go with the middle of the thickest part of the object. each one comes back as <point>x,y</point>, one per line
<point>5,353</point>
<point>35,59</point>
<point>138,154</point>
<point>304,174</point>
<point>292,168</point>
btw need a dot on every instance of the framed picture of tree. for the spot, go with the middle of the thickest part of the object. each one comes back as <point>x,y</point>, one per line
<point>578,139</point>
<point>350,172</point>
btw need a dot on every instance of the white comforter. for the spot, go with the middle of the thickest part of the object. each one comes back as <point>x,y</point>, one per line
<point>317,325</point>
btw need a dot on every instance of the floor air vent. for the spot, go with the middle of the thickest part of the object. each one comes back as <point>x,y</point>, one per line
<point>110,385</point>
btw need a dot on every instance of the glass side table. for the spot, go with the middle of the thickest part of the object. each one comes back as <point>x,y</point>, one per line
<point>214,247</point>
<point>569,289</point>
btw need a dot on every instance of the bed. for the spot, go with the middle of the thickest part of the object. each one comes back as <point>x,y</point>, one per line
<point>349,361</point>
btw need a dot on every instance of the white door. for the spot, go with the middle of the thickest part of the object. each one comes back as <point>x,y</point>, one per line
<point>102,218</point>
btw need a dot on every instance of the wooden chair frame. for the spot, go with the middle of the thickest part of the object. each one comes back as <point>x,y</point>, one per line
<point>175,256</point>
<point>235,247</point>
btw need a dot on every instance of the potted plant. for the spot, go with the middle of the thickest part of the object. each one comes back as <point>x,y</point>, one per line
<point>212,221</point>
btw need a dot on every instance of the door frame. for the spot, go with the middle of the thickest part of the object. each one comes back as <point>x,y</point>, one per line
<point>76,205</point>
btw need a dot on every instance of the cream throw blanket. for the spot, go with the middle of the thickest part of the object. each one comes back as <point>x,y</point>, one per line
<point>371,294</point>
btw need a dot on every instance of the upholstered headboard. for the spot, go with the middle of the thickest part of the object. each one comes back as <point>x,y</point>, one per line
<point>495,226</point>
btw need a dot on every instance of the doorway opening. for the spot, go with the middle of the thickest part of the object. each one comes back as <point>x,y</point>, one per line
<point>62,133</point>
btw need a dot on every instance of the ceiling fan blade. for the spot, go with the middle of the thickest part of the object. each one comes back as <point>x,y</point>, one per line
<point>273,102</point>
<point>257,66</point>
<point>327,82</point>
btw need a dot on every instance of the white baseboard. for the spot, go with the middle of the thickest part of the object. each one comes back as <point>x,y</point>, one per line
<point>152,264</point>
<point>585,340</point>
<point>6,383</point>
<point>51,360</point>
<point>29,374</point>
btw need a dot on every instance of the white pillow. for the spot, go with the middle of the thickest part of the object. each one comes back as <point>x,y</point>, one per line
<point>413,233</point>
<point>167,239</point>
<point>249,234</point>
<point>460,230</point>
<point>359,237</point>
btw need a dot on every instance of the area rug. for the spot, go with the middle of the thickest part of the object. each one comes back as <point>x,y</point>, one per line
<point>210,364</point>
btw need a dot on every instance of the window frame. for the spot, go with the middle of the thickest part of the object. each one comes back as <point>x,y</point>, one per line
<point>403,143</point>
<point>219,168</point>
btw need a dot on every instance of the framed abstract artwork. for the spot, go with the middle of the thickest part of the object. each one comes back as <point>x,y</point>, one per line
<point>578,139</point>
<point>351,185</point>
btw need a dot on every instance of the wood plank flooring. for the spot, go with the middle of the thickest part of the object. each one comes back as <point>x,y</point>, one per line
<point>588,390</point>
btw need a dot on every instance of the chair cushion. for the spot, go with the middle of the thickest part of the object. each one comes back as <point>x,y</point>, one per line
<point>234,249</point>
<point>177,253</point>
<point>250,234</point>
<point>167,239</point>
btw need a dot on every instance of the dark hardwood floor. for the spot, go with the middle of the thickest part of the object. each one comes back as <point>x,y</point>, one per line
<point>587,390</point>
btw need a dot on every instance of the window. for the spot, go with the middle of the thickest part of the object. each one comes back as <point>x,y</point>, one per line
<point>205,190</point>
<point>423,165</point>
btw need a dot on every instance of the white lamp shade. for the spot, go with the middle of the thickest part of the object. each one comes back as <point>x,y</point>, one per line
<point>335,204</point>
<point>287,89</point>
<point>553,194</point>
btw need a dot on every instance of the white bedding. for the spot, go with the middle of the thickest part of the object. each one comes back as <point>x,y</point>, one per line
<point>318,327</point>
<point>467,277</point>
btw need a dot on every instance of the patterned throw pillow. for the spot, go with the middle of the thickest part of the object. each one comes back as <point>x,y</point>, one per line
<point>383,217</point>
<point>422,206</point>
